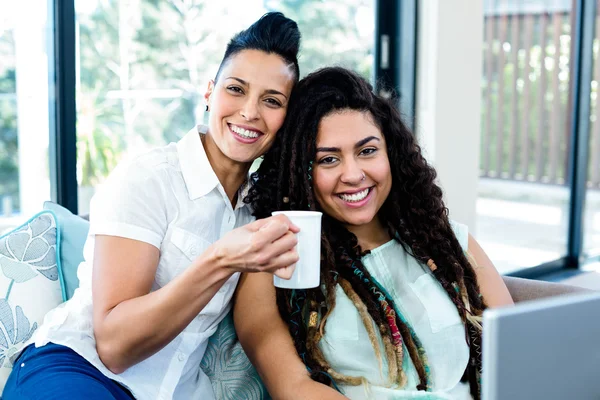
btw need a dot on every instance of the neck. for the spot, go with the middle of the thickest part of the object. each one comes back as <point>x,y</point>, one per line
<point>231,174</point>
<point>370,235</point>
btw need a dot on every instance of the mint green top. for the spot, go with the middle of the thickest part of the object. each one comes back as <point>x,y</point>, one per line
<point>426,307</point>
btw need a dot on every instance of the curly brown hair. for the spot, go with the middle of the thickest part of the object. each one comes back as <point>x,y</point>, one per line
<point>414,214</point>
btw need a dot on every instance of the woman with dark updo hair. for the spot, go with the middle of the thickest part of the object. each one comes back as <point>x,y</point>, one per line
<point>169,236</point>
<point>403,288</point>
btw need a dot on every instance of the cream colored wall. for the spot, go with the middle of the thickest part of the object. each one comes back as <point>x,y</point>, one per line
<point>449,98</point>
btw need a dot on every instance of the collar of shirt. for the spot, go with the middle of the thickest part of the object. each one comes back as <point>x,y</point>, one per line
<point>199,177</point>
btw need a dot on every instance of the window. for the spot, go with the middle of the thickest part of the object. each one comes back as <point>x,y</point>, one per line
<point>24,120</point>
<point>144,65</point>
<point>523,196</point>
<point>591,217</point>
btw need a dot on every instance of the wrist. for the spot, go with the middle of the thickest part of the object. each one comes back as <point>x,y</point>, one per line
<point>308,388</point>
<point>215,260</point>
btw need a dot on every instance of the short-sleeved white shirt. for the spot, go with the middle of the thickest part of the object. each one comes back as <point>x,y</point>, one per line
<point>171,198</point>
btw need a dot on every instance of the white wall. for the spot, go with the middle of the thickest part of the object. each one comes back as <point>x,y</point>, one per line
<point>448,111</point>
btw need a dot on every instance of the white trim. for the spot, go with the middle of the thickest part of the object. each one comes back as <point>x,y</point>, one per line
<point>449,98</point>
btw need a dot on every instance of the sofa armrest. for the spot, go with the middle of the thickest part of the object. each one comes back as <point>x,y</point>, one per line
<point>528,289</point>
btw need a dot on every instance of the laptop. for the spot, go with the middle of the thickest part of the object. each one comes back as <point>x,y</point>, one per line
<point>545,349</point>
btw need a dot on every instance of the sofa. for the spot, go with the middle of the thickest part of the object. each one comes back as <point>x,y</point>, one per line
<point>39,261</point>
<point>529,289</point>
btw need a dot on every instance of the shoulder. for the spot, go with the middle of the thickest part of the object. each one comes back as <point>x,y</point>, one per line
<point>148,163</point>
<point>490,282</point>
<point>461,231</point>
<point>143,180</point>
<point>155,165</point>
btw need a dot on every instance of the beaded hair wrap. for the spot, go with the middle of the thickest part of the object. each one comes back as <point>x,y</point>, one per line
<point>364,315</point>
<point>395,374</point>
<point>391,311</point>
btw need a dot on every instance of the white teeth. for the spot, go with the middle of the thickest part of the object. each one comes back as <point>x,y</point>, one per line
<point>352,198</point>
<point>244,132</point>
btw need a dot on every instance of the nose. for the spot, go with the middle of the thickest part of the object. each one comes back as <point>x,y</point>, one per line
<point>250,110</point>
<point>352,174</point>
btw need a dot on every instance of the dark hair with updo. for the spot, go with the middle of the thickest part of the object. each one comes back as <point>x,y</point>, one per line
<point>414,214</point>
<point>272,33</point>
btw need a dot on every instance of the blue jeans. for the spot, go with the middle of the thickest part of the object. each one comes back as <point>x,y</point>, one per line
<point>54,372</point>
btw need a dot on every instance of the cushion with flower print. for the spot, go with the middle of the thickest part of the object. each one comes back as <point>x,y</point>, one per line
<point>30,283</point>
<point>225,363</point>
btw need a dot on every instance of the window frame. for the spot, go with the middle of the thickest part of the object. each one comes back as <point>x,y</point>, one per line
<point>396,53</point>
<point>62,104</point>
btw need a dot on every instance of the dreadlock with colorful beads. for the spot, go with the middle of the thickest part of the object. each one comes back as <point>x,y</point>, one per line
<point>414,214</point>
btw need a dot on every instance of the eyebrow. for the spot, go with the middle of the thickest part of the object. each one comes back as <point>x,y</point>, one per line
<point>268,91</point>
<point>356,146</point>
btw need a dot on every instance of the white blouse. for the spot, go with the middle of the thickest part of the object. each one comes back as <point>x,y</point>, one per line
<point>427,308</point>
<point>171,199</point>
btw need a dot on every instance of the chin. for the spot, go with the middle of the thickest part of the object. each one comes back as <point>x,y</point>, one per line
<point>244,159</point>
<point>358,221</point>
<point>241,156</point>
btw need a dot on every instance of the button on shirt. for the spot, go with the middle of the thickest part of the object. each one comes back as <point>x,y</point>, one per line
<point>170,198</point>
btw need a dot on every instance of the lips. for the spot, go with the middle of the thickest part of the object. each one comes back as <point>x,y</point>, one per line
<point>244,132</point>
<point>356,196</point>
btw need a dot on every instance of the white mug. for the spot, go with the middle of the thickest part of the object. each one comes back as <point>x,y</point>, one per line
<point>308,268</point>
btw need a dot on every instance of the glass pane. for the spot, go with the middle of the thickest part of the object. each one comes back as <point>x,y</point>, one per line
<point>522,206</point>
<point>348,26</point>
<point>24,173</point>
<point>144,66</point>
<point>591,216</point>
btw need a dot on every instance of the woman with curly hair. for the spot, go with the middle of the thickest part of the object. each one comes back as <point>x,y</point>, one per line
<point>403,288</point>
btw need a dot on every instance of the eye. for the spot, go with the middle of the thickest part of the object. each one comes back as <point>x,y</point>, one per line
<point>273,102</point>
<point>327,160</point>
<point>235,89</point>
<point>368,151</point>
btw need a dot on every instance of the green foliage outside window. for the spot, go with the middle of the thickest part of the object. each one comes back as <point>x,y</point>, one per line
<point>9,161</point>
<point>145,65</point>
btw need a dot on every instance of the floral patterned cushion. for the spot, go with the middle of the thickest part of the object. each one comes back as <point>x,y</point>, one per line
<point>232,375</point>
<point>30,283</point>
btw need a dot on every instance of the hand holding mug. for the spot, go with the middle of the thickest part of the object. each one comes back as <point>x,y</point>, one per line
<point>265,245</point>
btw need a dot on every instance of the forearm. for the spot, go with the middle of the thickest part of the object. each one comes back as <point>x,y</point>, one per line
<point>285,379</point>
<point>137,328</point>
<point>269,346</point>
<point>309,389</point>
<point>304,388</point>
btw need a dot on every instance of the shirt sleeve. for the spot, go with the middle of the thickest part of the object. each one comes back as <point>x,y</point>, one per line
<point>462,234</point>
<point>132,203</point>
